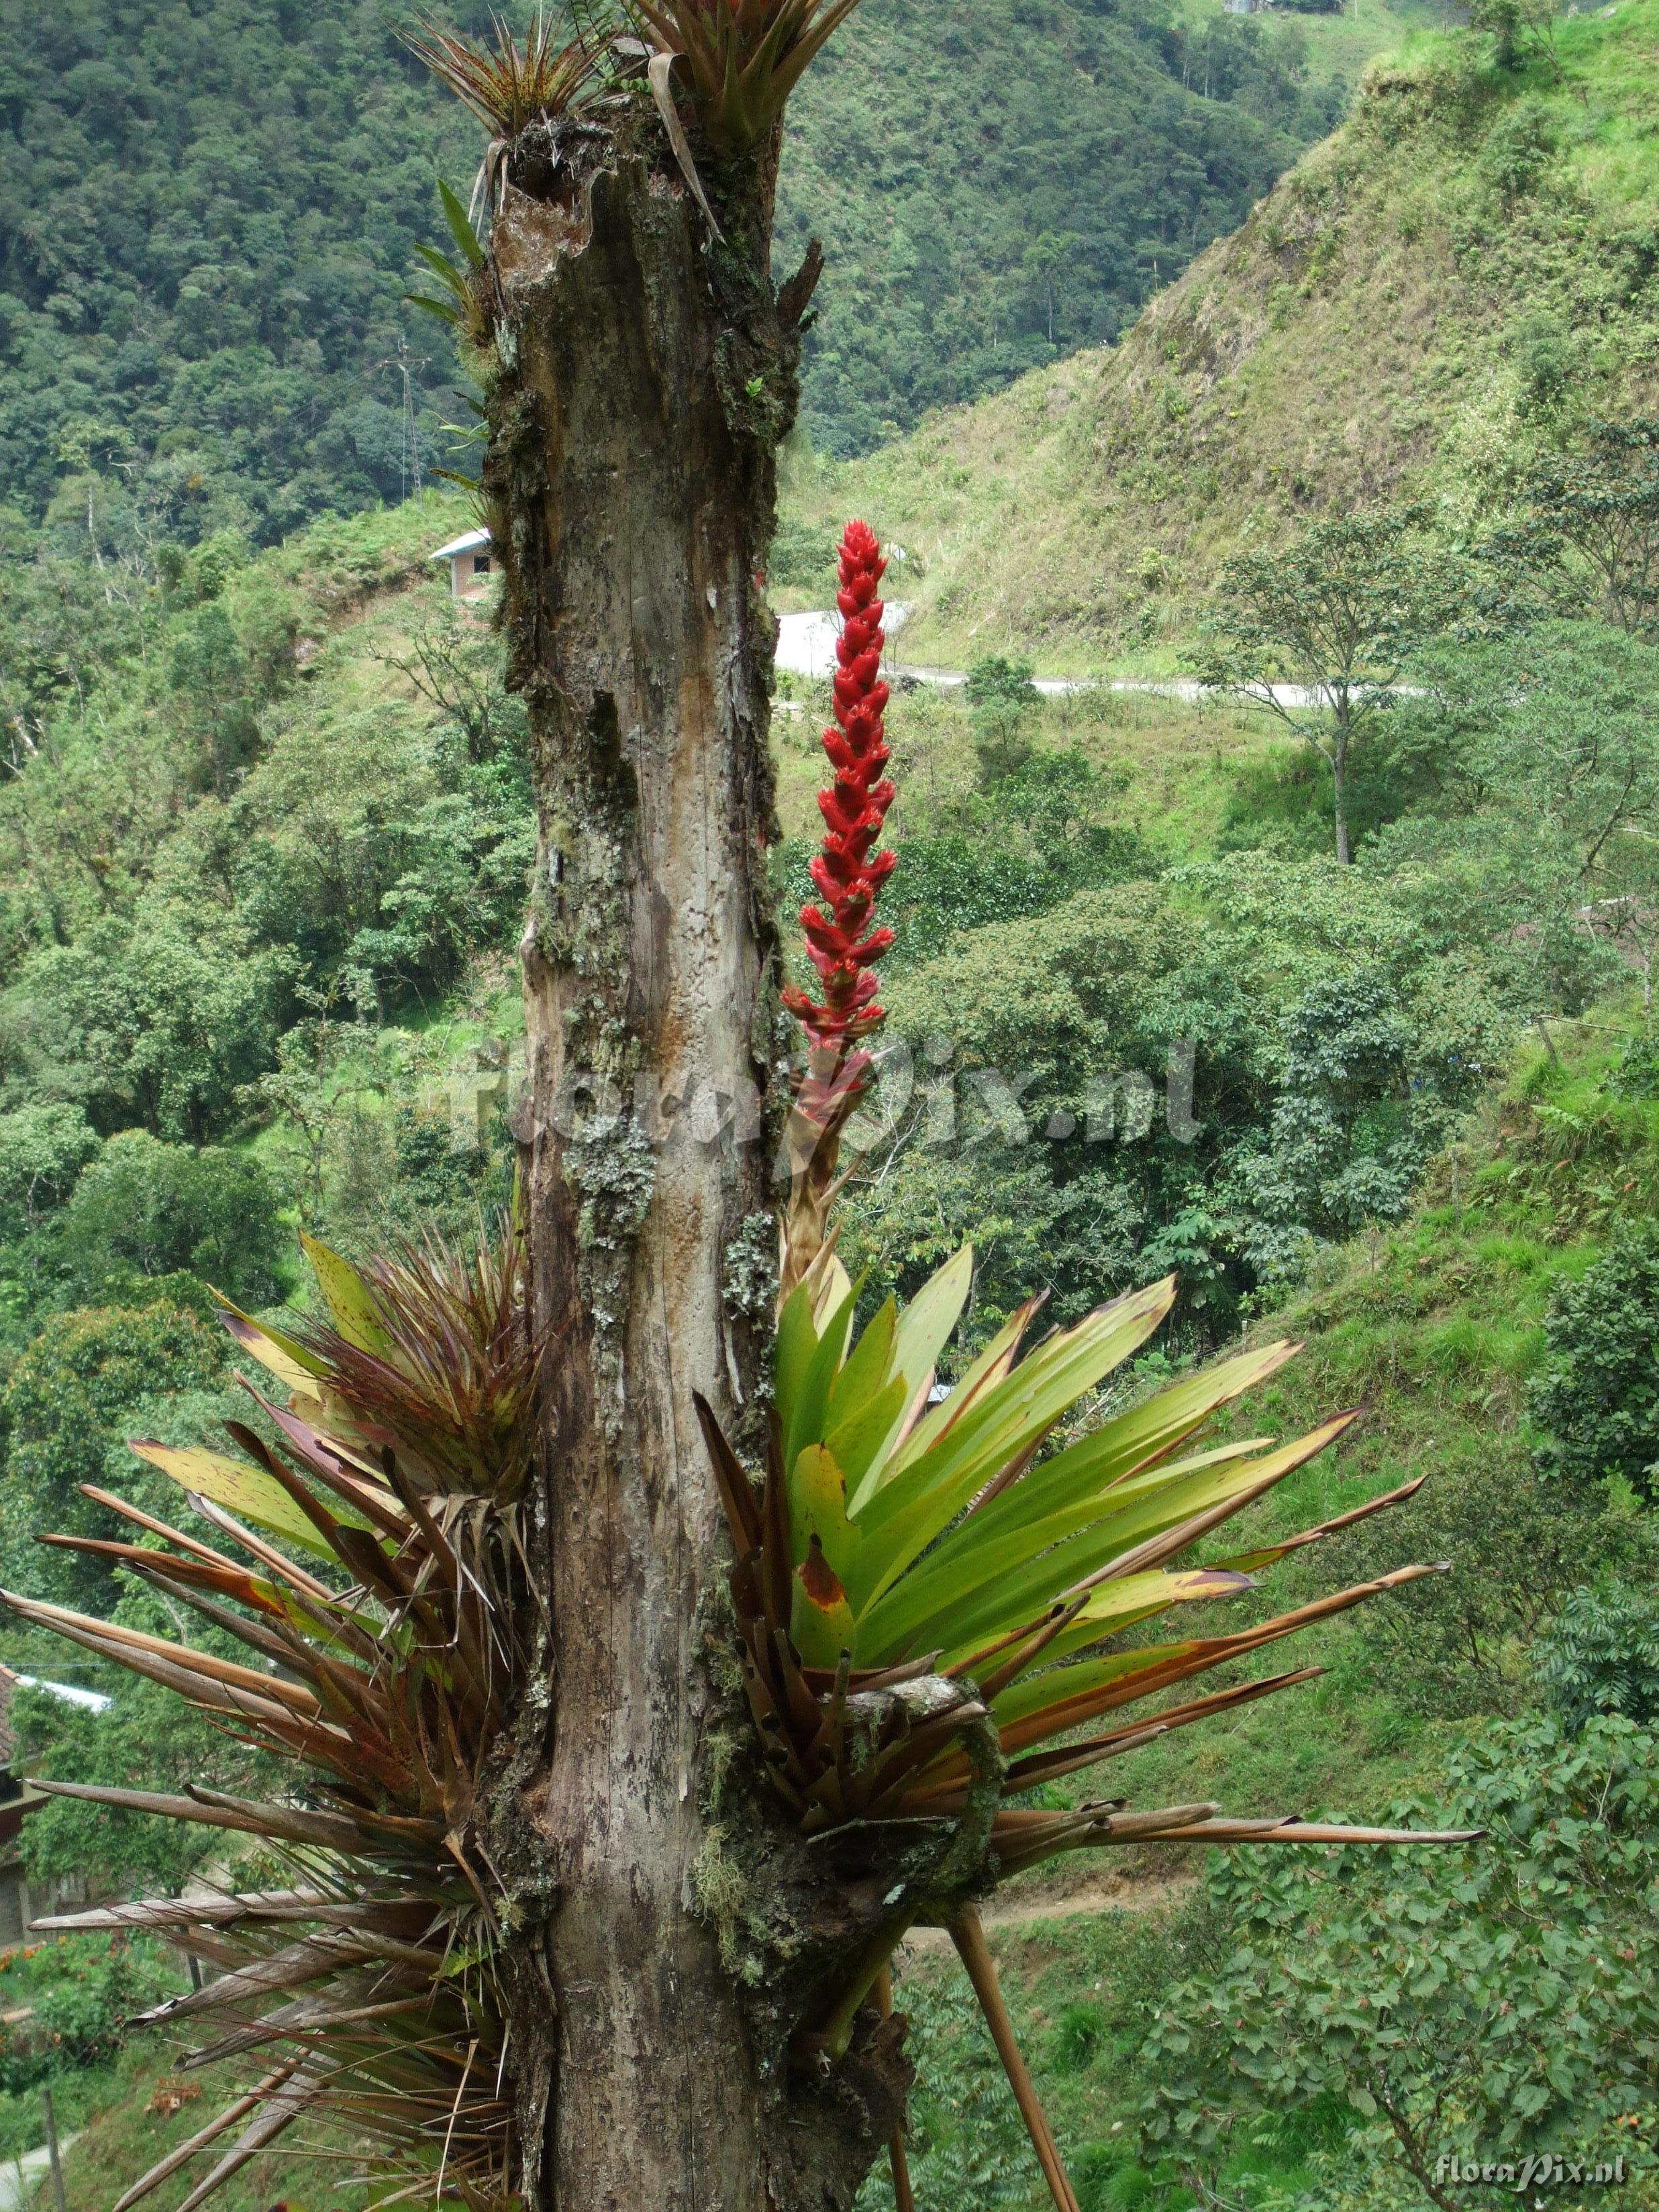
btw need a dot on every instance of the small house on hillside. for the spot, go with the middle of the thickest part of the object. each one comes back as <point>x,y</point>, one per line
<point>470,566</point>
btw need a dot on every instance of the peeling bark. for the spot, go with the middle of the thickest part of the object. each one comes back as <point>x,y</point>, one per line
<point>647,377</point>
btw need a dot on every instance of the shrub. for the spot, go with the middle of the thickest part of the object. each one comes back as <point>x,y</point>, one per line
<point>1601,1655</point>
<point>1001,697</point>
<point>1497,1997</point>
<point>66,2005</point>
<point>43,1150</point>
<point>1458,1645</point>
<point>144,1209</point>
<point>1598,1391</point>
<point>1079,2035</point>
<point>87,1382</point>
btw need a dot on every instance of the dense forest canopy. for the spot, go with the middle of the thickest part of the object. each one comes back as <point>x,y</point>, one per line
<point>209,215</point>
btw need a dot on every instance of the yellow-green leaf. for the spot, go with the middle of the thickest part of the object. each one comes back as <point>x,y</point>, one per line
<point>350,1299</point>
<point>905,1515</point>
<point>820,1620</point>
<point>282,1356</point>
<point>241,1488</point>
<point>923,1330</point>
<point>817,1509</point>
<point>974,1585</point>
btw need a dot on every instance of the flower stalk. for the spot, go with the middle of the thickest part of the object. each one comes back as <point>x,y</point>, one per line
<point>843,941</point>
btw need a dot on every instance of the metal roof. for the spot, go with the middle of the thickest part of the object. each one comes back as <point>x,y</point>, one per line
<point>474,541</point>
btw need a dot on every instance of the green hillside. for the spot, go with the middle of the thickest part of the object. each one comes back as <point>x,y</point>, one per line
<point>1421,304</point>
<point>998,185</point>
<point>209,218</point>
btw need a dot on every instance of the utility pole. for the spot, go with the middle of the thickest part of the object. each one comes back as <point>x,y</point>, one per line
<point>409,468</point>
<point>52,2152</point>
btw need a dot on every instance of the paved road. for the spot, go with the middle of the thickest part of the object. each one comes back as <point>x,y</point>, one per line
<point>806,647</point>
<point>21,2176</point>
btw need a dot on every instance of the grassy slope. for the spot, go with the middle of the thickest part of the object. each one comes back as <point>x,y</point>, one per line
<point>137,2120</point>
<point>1373,329</point>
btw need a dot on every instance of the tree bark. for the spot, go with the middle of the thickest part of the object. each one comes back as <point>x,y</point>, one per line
<point>646,378</point>
<point>1340,786</point>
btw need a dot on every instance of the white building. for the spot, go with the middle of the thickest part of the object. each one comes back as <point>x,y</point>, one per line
<point>471,566</point>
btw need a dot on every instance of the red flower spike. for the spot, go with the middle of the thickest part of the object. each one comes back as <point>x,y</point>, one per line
<point>854,808</point>
<point>842,942</point>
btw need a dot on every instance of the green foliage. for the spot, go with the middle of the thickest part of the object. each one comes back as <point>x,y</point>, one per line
<point>1001,697</point>
<point>66,2005</point>
<point>1520,30</point>
<point>1517,1547</point>
<point>1320,631</point>
<point>1603,496</point>
<point>211,336</point>
<point>158,1022</point>
<point>1501,1998</point>
<point>1530,767</point>
<point>1039,827</point>
<point>1600,1655</point>
<point>87,1382</point>
<point>1080,2035</point>
<point>1052,162</point>
<point>206,326</point>
<point>1337,1032</point>
<point>43,1149</point>
<point>1368,1086</point>
<point>144,1210</point>
<point>1597,1394</point>
<point>967,2145</point>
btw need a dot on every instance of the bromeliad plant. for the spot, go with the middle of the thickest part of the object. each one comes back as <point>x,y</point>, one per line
<point>739,60</point>
<point>933,1612</point>
<point>368,1557</point>
<point>743,58</point>
<point>508,85</point>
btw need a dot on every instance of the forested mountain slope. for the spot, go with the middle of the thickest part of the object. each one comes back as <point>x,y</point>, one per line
<point>999,183</point>
<point>1410,311</point>
<point>209,215</point>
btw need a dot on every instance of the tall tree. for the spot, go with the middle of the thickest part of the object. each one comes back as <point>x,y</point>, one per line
<point>1602,498</point>
<point>1319,631</point>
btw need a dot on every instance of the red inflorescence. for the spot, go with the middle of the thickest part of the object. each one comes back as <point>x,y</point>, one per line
<point>848,874</point>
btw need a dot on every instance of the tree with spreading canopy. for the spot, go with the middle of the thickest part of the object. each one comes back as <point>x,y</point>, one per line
<point>1320,631</point>
<point>657,1647</point>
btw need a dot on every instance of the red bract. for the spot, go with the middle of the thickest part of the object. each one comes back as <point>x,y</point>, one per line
<point>849,873</point>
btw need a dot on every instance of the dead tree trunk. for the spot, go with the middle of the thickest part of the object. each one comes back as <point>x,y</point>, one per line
<point>647,375</point>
